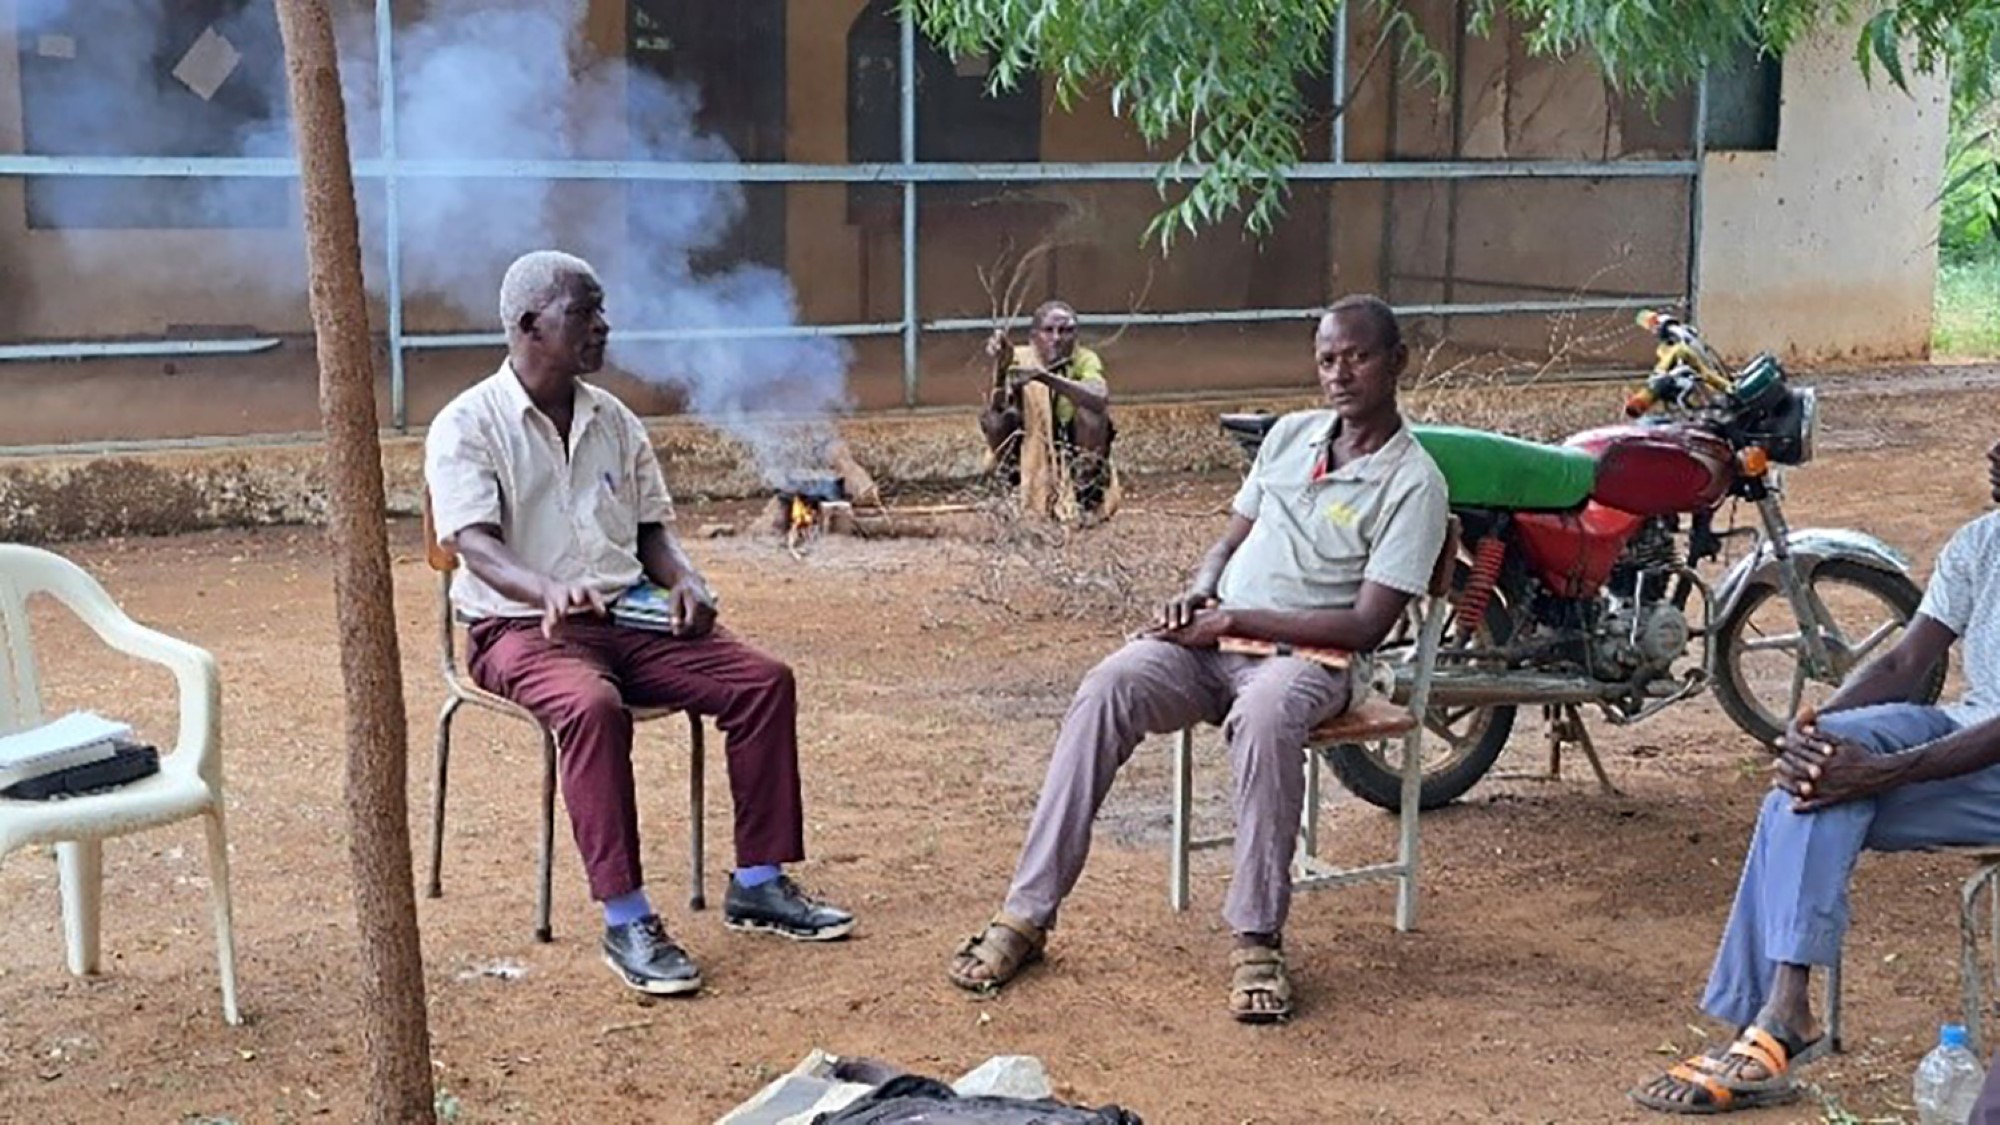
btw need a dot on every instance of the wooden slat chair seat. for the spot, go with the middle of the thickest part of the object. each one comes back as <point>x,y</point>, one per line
<point>1376,719</point>
<point>461,691</point>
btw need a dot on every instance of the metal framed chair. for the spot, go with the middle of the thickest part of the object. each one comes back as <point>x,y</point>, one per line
<point>188,785</point>
<point>1375,720</point>
<point>1972,968</point>
<point>460,691</point>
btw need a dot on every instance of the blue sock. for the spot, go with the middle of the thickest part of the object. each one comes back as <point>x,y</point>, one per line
<point>747,877</point>
<point>627,908</point>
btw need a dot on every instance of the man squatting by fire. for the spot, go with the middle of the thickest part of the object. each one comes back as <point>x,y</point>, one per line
<point>549,490</point>
<point>1053,392</point>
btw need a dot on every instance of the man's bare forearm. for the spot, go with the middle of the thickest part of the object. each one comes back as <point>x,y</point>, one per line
<point>1208,576</point>
<point>1967,750</point>
<point>1898,675</point>
<point>1345,629</point>
<point>666,563</point>
<point>488,557</point>
<point>1087,394</point>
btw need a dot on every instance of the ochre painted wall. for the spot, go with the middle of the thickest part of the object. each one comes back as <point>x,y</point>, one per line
<point>1827,248</point>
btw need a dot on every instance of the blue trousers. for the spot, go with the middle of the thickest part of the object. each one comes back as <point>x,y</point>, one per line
<point>1791,906</point>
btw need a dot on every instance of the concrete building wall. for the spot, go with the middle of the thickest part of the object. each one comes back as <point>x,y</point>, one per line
<point>1491,240</point>
<point>1826,249</point>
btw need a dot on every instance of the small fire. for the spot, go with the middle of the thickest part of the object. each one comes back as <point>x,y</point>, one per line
<point>801,531</point>
<point>802,514</point>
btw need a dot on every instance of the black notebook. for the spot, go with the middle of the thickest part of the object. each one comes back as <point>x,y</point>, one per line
<point>129,762</point>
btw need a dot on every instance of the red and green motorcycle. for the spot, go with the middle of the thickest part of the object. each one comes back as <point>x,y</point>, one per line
<point>1582,582</point>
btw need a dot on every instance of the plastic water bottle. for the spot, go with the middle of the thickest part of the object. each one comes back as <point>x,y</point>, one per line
<point>1948,1080</point>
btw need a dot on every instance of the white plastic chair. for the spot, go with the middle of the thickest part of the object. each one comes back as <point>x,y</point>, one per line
<point>188,785</point>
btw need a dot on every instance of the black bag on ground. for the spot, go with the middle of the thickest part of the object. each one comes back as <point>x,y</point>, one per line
<point>911,1100</point>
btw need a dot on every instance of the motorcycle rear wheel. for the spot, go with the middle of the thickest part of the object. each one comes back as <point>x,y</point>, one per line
<point>1460,744</point>
<point>1843,587</point>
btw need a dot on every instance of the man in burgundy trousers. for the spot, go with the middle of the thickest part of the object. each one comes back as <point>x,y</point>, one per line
<point>549,490</point>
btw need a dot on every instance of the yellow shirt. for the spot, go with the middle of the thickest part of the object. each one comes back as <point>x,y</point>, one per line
<point>1085,366</point>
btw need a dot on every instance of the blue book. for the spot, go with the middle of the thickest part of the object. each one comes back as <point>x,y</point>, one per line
<point>645,606</point>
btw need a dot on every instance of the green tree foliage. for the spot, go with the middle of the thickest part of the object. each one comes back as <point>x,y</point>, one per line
<point>1218,81</point>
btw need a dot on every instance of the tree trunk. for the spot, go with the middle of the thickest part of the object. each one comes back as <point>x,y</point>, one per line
<point>395,1035</point>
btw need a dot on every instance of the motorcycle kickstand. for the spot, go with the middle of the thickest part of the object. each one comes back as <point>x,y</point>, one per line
<point>1562,723</point>
<point>1565,724</point>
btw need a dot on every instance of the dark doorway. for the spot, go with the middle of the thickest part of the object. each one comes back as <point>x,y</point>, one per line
<point>733,53</point>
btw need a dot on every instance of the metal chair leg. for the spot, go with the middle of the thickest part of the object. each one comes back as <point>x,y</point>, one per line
<point>442,757</point>
<point>546,863</point>
<point>1410,840</point>
<point>1183,813</point>
<point>697,900</point>
<point>1833,1006</point>
<point>1309,815</point>
<point>1971,982</point>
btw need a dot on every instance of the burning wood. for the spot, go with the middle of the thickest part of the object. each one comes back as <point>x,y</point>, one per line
<point>803,523</point>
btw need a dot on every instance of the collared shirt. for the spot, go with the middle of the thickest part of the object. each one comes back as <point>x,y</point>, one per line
<point>492,457</point>
<point>1084,366</point>
<point>1319,533</point>
<point>1964,596</point>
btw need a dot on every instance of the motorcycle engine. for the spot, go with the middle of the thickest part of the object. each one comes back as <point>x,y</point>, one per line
<point>1636,638</point>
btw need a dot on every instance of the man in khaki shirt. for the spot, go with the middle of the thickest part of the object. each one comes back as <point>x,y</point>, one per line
<point>1336,528</point>
<point>548,489</point>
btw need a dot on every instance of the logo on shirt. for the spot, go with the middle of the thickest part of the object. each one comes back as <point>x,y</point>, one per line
<point>1342,515</point>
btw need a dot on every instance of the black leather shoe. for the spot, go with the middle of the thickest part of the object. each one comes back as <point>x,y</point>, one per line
<point>645,958</point>
<point>780,907</point>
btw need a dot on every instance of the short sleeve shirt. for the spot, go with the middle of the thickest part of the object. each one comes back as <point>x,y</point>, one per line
<point>1085,366</point>
<point>1964,596</point>
<point>492,457</point>
<point>1319,534</point>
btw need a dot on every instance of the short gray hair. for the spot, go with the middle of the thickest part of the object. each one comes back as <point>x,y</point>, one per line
<point>535,279</point>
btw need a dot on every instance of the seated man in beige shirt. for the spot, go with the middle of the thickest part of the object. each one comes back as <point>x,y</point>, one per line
<point>1335,529</point>
<point>549,490</point>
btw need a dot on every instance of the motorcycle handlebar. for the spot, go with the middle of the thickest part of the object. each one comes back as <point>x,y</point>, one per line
<point>1667,327</point>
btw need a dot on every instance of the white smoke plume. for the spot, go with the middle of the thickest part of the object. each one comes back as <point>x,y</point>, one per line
<point>474,80</point>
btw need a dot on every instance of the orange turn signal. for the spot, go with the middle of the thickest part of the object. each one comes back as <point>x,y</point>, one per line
<point>1756,461</point>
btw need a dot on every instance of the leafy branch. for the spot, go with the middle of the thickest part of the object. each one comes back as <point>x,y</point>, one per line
<point>1219,82</point>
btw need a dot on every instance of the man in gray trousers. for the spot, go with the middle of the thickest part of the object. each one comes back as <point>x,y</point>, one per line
<point>1335,529</point>
<point>1870,770</point>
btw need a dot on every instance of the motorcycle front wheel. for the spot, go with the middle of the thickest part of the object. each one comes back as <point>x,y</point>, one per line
<point>1460,743</point>
<point>1762,679</point>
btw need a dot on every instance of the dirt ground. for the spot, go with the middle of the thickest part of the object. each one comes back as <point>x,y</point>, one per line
<point>1564,935</point>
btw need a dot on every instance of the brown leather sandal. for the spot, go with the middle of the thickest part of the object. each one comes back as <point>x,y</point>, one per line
<point>997,954</point>
<point>1259,971</point>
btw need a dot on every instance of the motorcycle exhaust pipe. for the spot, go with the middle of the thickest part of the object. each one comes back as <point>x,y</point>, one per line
<point>1487,689</point>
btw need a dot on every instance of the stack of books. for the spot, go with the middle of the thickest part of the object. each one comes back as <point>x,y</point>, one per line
<point>80,738</point>
<point>645,606</point>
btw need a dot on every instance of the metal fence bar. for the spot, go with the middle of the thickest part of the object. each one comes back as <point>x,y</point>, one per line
<point>922,172</point>
<point>1259,316</point>
<point>1695,193</point>
<point>1337,146</point>
<point>443,340</point>
<point>392,233</point>
<point>906,112</point>
<point>147,349</point>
